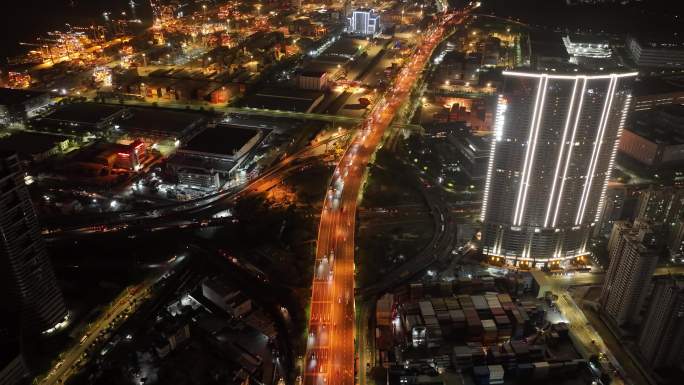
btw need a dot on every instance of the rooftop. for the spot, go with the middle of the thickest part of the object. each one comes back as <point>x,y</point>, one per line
<point>29,143</point>
<point>222,139</point>
<point>11,96</point>
<point>159,120</point>
<point>545,45</point>
<point>344,47</point>
<point>285,99</point>
<point>91,113</point>
<point>657,85</point>
<point>312,73</point>
<point>663,125</point>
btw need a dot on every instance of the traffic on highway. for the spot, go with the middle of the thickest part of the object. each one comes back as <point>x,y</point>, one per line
<point>330,357</point>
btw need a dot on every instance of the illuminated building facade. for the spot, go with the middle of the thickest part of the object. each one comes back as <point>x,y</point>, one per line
<point>26,275</point>
<point>364,22</point>
<point>555,140</point>
<point>587,47</point>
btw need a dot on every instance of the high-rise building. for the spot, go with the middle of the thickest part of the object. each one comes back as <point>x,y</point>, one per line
<point>555,140</point>
<point>364,22</point>
<point>27,275</point>
<point>13,368</point>
<point>662,335</point>
<point>633,259</point>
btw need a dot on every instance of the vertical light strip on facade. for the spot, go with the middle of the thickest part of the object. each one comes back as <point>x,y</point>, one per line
<point>560,155</point>
<point>527,151</point>
<point>572,145</point>
<point>498,134</point>
<point>545,80</point>
<point>605,114</point>
<point>613,154</point>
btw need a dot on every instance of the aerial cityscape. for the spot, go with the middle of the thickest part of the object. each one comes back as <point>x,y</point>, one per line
<point>342,192</point>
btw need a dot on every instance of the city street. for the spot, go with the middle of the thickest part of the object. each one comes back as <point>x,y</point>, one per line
<point>126,303</point>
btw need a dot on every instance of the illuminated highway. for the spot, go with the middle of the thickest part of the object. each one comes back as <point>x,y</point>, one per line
<point>330,346</point>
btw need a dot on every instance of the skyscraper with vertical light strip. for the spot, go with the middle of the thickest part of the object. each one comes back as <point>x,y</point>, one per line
<point>552,153</point>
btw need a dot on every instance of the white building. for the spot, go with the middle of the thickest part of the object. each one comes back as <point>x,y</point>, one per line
<point>364,22</point>
<point>656,54</point>
<point>585,46</point>
<point>554,144</point>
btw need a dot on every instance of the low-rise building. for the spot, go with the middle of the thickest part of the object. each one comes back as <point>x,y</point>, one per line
<point>82,119</point>
<point>658,54</point>
<point>655,138</point>
<point>160,125</point>
<point>312,80</point>
<point>227,298</point>
<point>653,92</point>
<point>18,105</point>
<point>100,159</point>
<point>33,147</point>
<point>170,333</point>
<point>284,99</point>
<point>210,158</point>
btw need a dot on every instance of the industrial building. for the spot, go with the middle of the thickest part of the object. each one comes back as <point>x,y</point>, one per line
<point>227,298</point>
<point>26,272</point>
<point>312,80</point>
<point>209,159</point>
<point>82,119</point>
<point>34,147</point>
<point>587,46</point>
<point>284,99</point>
<point>160,125</point>
<point>537,210</point>
<point>102,158</point>
<point>18,105</point>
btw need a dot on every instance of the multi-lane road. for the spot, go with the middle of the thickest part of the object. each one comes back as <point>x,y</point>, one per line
<point>330,355</point>
<point>70,361</point>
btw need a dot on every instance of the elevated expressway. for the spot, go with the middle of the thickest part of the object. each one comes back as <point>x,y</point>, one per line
<point>330,355</point>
